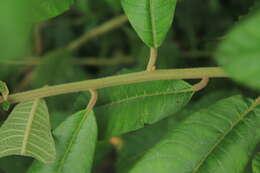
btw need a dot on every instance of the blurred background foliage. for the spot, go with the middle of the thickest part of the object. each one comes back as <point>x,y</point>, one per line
<point>33,55</point>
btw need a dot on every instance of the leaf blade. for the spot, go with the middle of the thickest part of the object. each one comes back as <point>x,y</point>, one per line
<point>45,9</point>
<point>26,132</point>
<point>138,104</point>
<point>240,50</point>
<point>76,140</point>
<point>205,141</point>
<point>150,18</point>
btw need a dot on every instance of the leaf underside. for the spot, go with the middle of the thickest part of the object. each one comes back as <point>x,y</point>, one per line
<point>216,140</point>
<point>27,132</point>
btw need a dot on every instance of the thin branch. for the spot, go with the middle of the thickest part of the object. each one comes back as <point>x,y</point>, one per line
<point>189,73</point>
<point>93,100</point>
<point>93,61</point>
<point>152,60</point>
<point>102,29</point>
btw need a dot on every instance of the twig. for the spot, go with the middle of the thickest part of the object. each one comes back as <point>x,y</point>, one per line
<point>102,29</point>
<point>93,61</point>
<point>189,73</point>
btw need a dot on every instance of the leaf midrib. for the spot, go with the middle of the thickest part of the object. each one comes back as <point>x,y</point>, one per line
<point>74,136</point>
<point>221,138</point>
<point>153,25</point>
<point>147,95</point>
<point>28,127</point>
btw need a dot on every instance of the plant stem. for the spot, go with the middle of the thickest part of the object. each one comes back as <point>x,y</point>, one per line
<point>152,60</point>
<point>104,28</point>
<point>93,61</point>
<point>171,74</point>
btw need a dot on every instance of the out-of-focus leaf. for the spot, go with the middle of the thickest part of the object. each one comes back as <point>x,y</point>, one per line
<point>45,9</point>
<point>256,163</point>
<point>239,52</point>
<point>76,139</point>
<point>57,68</point>
<point>126,108</point>
<point>150,18</point>
<point>83,6</point>
<point>114,4</point>
<point>217,139</point>
<point>14,34</point>
<point>27,132</point>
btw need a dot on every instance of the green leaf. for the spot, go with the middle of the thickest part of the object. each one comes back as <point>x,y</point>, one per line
<point>126,108</point>
<point>45,9</point>
<point>135,144</point>
<point>114,4</point>
<point>15,33</point>
<point>27,132</point>
<point>256,163</point>
<point>76,140</point>
<point>216,140</point>
<point>150,18</point>
<point>56,68</point>
<point>240,50</point>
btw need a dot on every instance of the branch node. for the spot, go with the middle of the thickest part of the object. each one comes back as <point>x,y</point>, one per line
<point>93,99</point>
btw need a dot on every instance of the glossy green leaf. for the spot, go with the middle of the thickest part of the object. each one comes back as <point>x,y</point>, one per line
<point>239,52</point>
<point>75,143</point>
<point>27,132</point>
<point>45,9</point>
<point>256,163</point>
<point>150,18</point>
<point>216,140</point>
<point>137,143</point>
<point>126,108</point>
